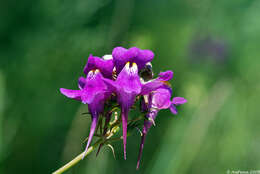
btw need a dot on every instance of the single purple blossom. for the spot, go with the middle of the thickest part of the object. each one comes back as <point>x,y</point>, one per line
<point>158,99</point>
<point>127,86</point>
<point>93,91</point>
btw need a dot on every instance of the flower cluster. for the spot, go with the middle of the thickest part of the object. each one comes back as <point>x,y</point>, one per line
<point>122,80</point>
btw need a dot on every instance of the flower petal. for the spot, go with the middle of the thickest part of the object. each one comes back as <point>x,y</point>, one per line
<point>92,130</point>
<point>97,103</point>
<point>165,76</point>
<point>140,151</point>
<point>128,79</point>
<point>178,100</point>
<point>159,82</point>
<point>81,82</point>
<point>119,58</point>
<point>75,94</point>
<point>105,66</point>
<point>147,125</point>
<point>143,57</point>
<point>90,64</point>
<point>94,85</point>
<point>161,99</point>
<point>128,86</point>
<point>173,109</point>
<point>124,125</point>
<point>111,84</point>
<point>131,54</point>
<point>151,86</point>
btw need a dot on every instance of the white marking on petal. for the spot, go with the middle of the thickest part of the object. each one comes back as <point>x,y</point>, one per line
<point>134,68</point>
<point>93,73</point>
<point>127,66</point>
<point>131,70</point>
<point>107,57</point>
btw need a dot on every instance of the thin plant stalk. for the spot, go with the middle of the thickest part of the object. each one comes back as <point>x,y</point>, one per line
<point>76,160</point>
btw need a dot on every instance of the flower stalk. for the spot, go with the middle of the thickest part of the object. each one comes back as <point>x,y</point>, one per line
<point>102,140</point>
<point>76,160</point>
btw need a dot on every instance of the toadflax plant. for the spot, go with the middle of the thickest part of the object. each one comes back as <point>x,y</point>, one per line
<point>114,85</point>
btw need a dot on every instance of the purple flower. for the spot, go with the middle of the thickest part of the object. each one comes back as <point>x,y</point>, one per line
<point>158,99</point>
<point>93,91</point>
<point>127,73</point>
<point>105,66</point>
<point>127,86</point>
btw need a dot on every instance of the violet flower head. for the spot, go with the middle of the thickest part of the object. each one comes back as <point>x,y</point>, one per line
<point>128,85</point>
<point>93,91</point>
<point>116,82</point>
<point>158,99</point>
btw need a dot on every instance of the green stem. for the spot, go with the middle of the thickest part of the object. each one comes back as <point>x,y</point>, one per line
<point>76,160</point>
<point>80,156</point>
<point>114,129</point>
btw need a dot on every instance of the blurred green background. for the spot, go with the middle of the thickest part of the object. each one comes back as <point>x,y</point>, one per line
<point>212,47</point>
